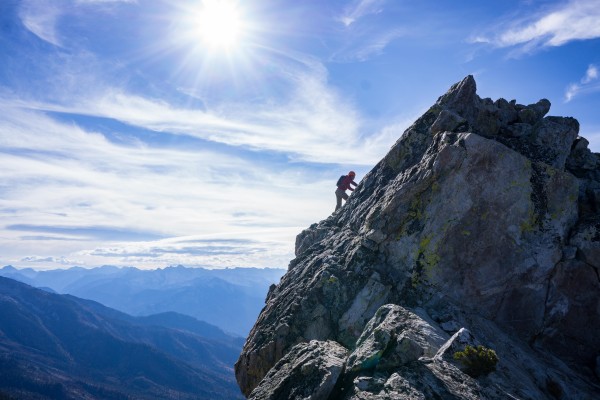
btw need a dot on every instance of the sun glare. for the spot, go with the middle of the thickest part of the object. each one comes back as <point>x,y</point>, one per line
<point>219,23</point>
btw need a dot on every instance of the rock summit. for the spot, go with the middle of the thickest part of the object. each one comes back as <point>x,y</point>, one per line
<point>480,227</point>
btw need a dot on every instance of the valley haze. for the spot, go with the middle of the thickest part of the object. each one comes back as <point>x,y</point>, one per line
<point>228,298</point>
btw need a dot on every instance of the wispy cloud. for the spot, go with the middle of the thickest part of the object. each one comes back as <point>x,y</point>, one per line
<point>360,8</point>
<point>270,249</point>
<point>102,195</point>
<point>316,124</point>
<point>565,22</point>
<point>51,238</point>
<point>589,83</point>
<point>49,260</point>
<point>365,48</point>
<point>90,232</point>
<point>590,75</point>
<point>105,1</point>
<point>40,17</point>
<point>363,41</point>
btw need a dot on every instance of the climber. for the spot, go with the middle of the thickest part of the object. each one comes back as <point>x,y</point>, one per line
<point>343,184</point>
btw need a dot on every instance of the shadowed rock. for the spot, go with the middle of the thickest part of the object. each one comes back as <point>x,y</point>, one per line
<point>308,371</point>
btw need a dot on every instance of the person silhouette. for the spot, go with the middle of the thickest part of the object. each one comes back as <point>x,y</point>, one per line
<point>344,183</point>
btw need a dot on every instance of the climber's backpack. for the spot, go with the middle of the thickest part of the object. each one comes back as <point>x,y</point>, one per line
<point>339,182</point>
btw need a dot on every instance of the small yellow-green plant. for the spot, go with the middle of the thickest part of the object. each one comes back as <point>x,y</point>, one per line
<point>477,360</point>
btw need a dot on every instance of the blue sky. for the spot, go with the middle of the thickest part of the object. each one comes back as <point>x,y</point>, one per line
<point>152,133</point>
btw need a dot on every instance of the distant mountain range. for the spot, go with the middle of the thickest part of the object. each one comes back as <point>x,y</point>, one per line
<point>61,347</point>
<point>229,298</point>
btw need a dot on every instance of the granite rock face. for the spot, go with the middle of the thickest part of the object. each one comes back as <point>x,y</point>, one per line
<point>307,371</point>
<point>484,215</point>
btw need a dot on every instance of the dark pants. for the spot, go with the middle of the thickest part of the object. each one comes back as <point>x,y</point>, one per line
<point>339,195</point>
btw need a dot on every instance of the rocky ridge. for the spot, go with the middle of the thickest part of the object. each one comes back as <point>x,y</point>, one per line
<point>480,226</point>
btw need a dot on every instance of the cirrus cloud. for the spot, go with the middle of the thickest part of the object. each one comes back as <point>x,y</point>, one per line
<point>556,26</point>
<point>586,84</point>
<point>360,8</point>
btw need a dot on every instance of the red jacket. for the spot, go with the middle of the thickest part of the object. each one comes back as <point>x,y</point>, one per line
<point>346,182</point>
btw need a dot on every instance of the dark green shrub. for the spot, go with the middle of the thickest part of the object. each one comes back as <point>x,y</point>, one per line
<point>477,361</point>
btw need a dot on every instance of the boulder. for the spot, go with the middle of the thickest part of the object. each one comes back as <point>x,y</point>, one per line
<point>308,371</point>
<point>393,337</point>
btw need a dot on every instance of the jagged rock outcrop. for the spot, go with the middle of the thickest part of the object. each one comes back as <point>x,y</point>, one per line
<point>484,215</point>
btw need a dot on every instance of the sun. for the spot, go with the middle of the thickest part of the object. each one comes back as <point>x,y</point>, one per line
<point>219,24</point>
